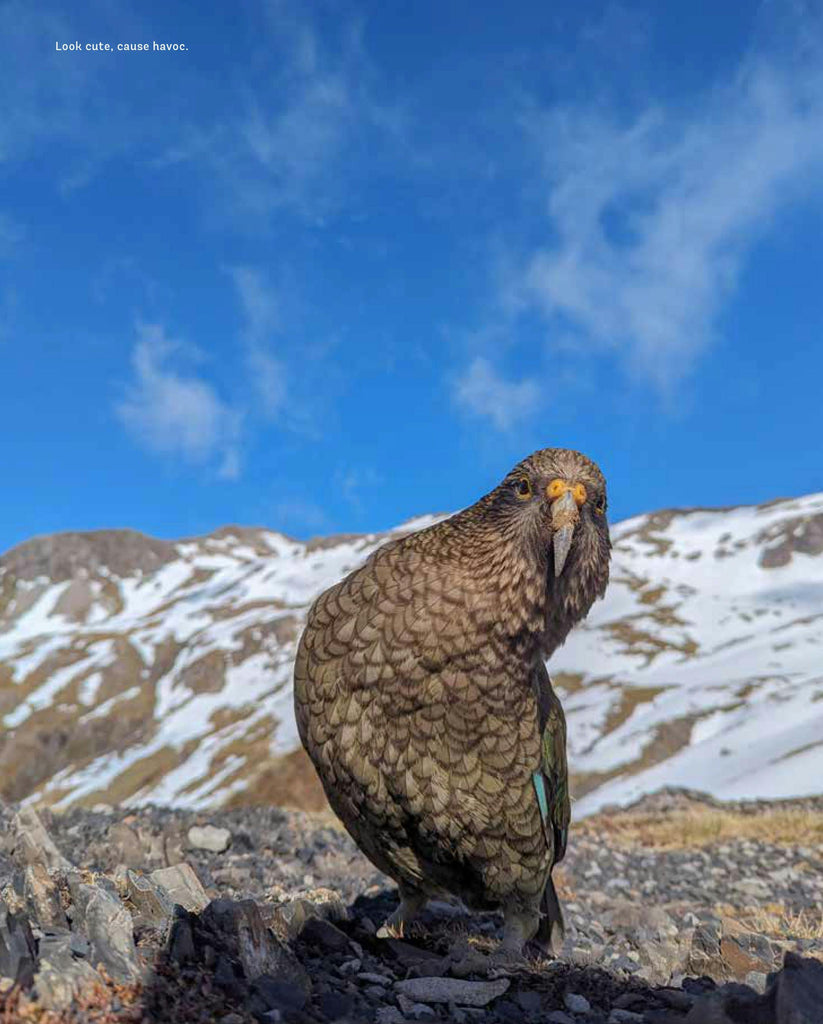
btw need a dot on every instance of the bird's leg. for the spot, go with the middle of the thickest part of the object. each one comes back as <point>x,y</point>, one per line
<point>519,925</point>
<point>411,904</point>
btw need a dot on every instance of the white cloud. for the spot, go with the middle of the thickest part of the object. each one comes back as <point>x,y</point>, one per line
<point>300,515</point>
<point>481,391</point>
<point>651,220</point>
<point>354,484</point>
<point>261,312</point>
<point>170,413</point>
<point>299,128</point>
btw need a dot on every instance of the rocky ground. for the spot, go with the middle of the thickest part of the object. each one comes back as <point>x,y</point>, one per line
<point>679,910</point>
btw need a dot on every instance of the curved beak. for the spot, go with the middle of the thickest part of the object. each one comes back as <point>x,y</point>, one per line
<point>565,516</point>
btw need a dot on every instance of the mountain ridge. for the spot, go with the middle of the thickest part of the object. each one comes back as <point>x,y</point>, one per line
<point>138,669</point>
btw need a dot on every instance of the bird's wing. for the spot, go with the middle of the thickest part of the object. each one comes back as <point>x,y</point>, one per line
<point>551,781</point>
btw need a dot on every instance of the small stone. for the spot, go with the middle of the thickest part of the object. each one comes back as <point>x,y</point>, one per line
<point>755,887</point>
<point>625,1017</point>
<point>209,837</point>
<point>559,1017</point>
<point>452,990</point>
<point>757,980</point>
<point>417,1011</point>
<point>182,886</point>
<point>350,967</point>
<point>375,979</point>
<point>389,1015</point>
<point>575,1003</point>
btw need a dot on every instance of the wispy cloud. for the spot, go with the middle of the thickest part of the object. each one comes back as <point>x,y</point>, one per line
<point>295,136</point>
<point>178,414</point>
<point>483,392</point>
<point>652,217</point>
<point>300,516</point>
<point>355,483</point>
<point>261,312</point>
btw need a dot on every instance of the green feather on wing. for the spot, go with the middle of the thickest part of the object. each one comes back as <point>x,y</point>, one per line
<point>551,781</point>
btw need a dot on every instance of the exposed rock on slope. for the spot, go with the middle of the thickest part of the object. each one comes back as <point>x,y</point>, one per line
<point>106,918</point>
<point>144,670</point>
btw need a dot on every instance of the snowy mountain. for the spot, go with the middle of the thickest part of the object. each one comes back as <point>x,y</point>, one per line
<point>137,670</point>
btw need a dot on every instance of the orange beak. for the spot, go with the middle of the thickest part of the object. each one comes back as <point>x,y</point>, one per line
<point>566,500</point>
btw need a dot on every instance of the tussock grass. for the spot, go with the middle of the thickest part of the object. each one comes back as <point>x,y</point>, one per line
<point>698,827</point>
<point>777,921</point>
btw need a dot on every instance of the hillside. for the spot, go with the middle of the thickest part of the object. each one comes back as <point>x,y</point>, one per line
<point>133,669</point>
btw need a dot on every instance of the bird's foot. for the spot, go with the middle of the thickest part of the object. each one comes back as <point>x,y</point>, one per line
<point>397,924</point>
<point>518,928</point>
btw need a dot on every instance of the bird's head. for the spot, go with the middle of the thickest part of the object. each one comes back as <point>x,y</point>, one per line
<point>556,500</point>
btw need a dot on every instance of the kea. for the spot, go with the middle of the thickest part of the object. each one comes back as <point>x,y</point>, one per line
<point>423,700</point>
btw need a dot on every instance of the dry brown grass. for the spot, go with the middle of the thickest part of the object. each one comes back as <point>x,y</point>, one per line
<point>700,827</point>
<point>775,919</point>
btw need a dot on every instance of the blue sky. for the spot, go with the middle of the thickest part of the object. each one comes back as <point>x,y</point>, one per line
<point>332,266</point>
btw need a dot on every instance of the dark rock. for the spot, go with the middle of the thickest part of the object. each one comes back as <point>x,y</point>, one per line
<point>529,1002</point>
<point>235,927</point>
<point>676,998</point>
<point>334,1005</point>
<point>180,942</point>
<point>60,976</point>
<point>103,918</point>
<point>18,950</point>
<point>226,978</point>
<point>268,993</point>
<point>798,991</point>
<point>324,935</point>
<point>415,960</point>
<point>575,1003</point>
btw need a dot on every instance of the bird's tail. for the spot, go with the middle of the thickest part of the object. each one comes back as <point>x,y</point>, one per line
<point>552,930</point>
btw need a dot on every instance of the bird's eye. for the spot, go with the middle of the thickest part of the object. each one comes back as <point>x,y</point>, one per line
<point>600,506</point>
<point>524,488</point>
